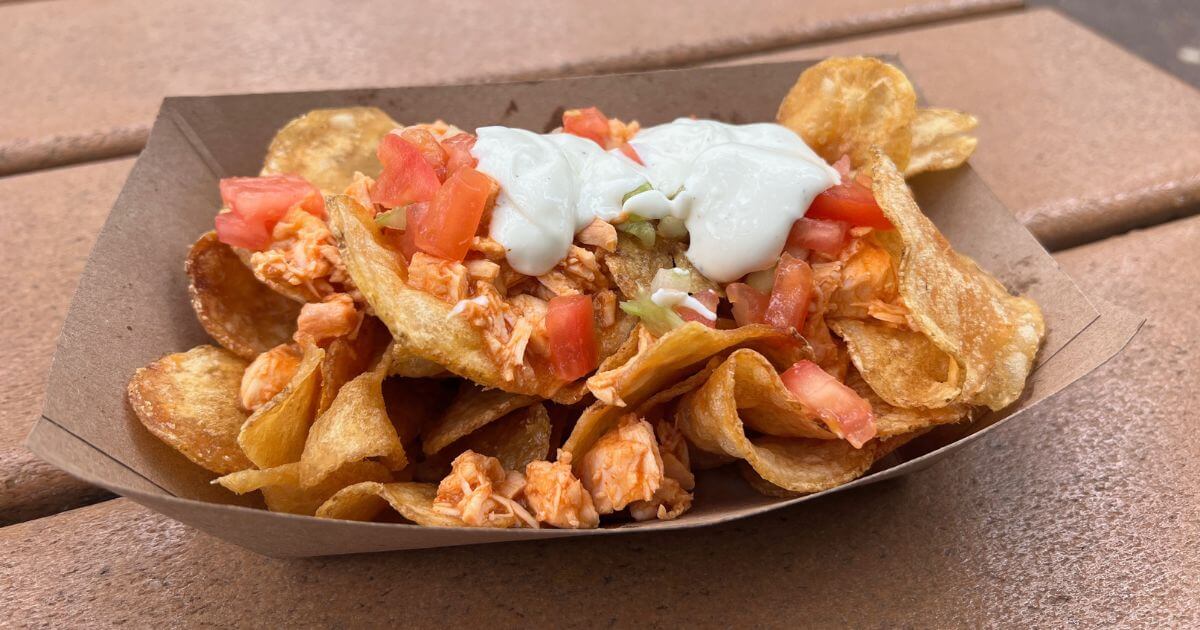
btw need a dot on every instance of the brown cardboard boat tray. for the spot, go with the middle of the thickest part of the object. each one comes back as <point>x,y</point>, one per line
<point>132,307</point>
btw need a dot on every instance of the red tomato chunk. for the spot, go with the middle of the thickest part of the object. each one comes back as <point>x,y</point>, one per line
<point>256,204</point>
<point>572,334</point>
<point>847,413</point>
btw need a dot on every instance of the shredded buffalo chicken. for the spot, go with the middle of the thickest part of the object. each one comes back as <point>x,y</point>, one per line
<point>623,467</point>
<point>267,375</point>
<point>556,495</point>
<point>480,492</point>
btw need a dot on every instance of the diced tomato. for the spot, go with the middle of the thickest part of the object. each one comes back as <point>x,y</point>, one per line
<point>405,240</point>
<point>710,300</point>
<point>847,414</point>
<point>571,330</point>
<point>406,178</point>
<point>433,152</point>
<point>588,123</point>
<point>630,153</point>
<point>234,230</point>
<point>458,149</point>
<point>788,306</point>
<point>749,304</point>
<point>851,202</point>
<point>453,218</point>
<point>827,237</point>
<point>256,204</point>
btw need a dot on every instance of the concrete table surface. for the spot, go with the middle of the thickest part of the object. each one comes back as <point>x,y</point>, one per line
<point>1084,514</point>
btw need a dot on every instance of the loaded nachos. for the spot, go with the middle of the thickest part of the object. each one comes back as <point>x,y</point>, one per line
<point>510,329</point>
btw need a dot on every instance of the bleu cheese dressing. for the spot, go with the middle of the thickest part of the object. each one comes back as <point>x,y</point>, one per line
<point>737,188</point>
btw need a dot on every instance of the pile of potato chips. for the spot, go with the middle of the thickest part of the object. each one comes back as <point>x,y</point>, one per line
<point>367,426</point>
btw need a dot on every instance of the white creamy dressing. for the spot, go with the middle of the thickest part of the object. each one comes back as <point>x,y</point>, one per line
<point>670,298</point>
<point>737,188</point>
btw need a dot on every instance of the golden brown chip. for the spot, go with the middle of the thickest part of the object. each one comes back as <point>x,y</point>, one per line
<point>347,358</point>
<point>902,366</point>
<point>190,401</point>
<point>828,470</point>
<point>415,403</point>
<point>409,365</point>
<point>939,140</point>
<point>420,322</point>
<point>891,421</point>
<point>846,105</point>
<point>282,490</point>
<point>326,146</point>
<point>659,363</point>
<point>517,439</point>
<point>274,435</point>
<point>364,502</point>
<point>633,265</point>
<point>746,390</point>
<point>356,427</point>
<point>472,409</point>
<point>240,313</point>
<point>963,310</point>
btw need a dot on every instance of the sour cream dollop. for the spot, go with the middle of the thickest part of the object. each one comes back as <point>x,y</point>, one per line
<point>737,188</point>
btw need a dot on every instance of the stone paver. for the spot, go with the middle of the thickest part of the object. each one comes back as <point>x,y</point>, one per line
<point>1084,514</point>
<point>83,79</point>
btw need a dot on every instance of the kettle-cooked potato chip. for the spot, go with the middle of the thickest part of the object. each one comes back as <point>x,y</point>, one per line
<point>327,146</point>
<point>354,428</point>
<point>420,322</point>
<point>473,408</point>
<point>274,435</point>
<point>746,390</point>
<point>190,401</point>
<point>237,310</point>
<point>822,468</point>
<point>663,361</point>
<point>892,421</point>
<point>364,501</point>
<point>904,367</point>
<point>409,365</point>
<point>521,437</point>
<point>282,491</point>
<point>963,310</point>
<point>846,105</point>
<point>940,141</point>
<point>633,264</point>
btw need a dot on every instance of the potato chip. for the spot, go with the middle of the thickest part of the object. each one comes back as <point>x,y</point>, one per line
<point>746,390</point>
<point>327,146</point>
<point>274,435</point>
<point>409,365</point>
<point>190,401</point>
<point>633,265</point>
<point>239,312</point>
<point>517,439</point>
<point>891,421</point>
<point>828,469</point>
<point>473,408</point>
<point>661,362</point>
<point>356,427</point>
<point>420,322</point>
<point>939,140</point>
<point>364,501</point>
<point>903,367</point>
<point>282,490</point>
<point>347,358</point>
<point>846,105</point>
<point>963,310</point>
